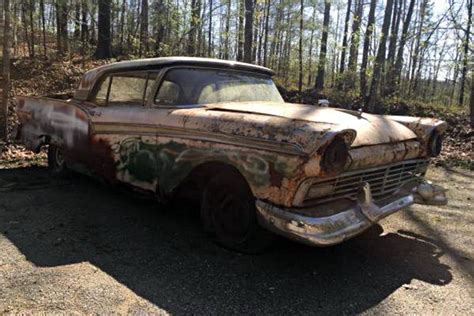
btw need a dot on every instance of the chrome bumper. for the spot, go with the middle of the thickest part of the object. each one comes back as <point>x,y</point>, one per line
<point>345,224</point>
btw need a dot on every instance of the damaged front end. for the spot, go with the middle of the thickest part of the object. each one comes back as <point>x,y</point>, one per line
<point>330,211</point>
<point>331,229</point>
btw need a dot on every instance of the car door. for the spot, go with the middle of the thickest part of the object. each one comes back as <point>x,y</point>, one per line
<point>123,129</point>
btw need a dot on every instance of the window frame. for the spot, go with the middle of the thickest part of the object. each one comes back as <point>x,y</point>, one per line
<point>145,97</point>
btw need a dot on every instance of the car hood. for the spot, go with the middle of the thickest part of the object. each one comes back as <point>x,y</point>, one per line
<point>371,129</point>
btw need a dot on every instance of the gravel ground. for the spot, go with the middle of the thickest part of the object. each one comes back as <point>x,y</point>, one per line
<point>77,246</point>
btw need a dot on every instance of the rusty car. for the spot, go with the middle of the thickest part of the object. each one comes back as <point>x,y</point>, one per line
<point>220,132</point>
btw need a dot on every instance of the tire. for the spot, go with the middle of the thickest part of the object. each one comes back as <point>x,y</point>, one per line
<point>56,164</point>
<point>228,212</point>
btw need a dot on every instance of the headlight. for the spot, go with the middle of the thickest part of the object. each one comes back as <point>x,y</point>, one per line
<point>335,156</point>
<point>435,143</point>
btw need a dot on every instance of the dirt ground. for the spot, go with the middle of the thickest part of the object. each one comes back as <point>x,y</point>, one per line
<point>78,246</point>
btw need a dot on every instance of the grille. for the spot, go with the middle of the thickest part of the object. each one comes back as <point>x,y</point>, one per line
<point>383,181</point>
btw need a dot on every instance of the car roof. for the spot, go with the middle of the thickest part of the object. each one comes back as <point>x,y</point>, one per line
<point>91,76</point>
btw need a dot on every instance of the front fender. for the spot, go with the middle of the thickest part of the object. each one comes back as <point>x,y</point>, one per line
<point>271,176</point>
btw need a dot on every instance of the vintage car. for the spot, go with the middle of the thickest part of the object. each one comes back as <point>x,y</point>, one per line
<point>220,132</point>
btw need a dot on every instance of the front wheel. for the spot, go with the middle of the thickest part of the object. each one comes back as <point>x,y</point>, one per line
<point>56,163</point>
<point>228,211</point>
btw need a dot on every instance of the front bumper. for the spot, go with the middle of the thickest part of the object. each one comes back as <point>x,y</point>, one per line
<point>344,224</point>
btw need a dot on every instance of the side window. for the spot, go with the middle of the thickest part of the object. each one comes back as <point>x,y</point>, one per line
<point>126,89</point>
<point>168,94</point>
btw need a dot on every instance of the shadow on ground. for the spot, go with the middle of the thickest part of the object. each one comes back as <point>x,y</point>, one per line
<point>164,257</point>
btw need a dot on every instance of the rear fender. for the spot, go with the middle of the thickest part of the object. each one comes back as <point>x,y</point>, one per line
<point>44,120</point>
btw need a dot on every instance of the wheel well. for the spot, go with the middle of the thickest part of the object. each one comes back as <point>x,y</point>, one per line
<point>193,185</point>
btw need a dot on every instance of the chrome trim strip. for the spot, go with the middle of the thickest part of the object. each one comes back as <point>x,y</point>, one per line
<point>165,131</point>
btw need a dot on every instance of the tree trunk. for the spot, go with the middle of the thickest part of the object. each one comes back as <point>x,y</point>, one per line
<point>104,41</point>
<point>344,38</point>
<point>300,50</point>
<point>394,76</point>
<point>311,44</point>
<point>240,31</point>
<point>43,27</point>
<point>265,41</point>
<point>397,13</point>
<point>61,26</point>
<point>365,52</point>
<point>64,22</point>
<point>122,25</point>
<point>465,55</point>
<point>32,28</point>
<point>143,47</point>
<point>195,15</point>
<point>227,30</point>
<point>380,59</point>
<point>84,26</point>
<point>25,26</point>
<point>423,7</point>
<point>471,97</point>
<point>6,71</point>
<point>355,35</point>
<point>209,31</point>
<point>248,37</point>
<point>324,42</point>
<point>77,20</point>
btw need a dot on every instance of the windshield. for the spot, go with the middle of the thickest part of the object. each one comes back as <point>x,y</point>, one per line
<point>184,86</point>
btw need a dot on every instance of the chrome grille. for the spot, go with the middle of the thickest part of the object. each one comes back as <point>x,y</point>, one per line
<point>383,181</point>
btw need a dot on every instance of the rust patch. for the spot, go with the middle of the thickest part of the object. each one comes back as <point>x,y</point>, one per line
<point>275,177</point>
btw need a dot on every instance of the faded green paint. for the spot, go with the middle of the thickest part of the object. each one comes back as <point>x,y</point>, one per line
<point>170,162</point>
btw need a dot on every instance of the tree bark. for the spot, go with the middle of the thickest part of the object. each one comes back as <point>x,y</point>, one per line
<point>394,76</point>
<point>300,50</point>
<point>122,25</point>
<point>32,28</point>
<point>144,47</point>
<point>84,26</point>
<point>423,7</point>
<point>265,41</point>
<point>392,46</point>
<point>248,37</point>
<point>344,38</point>
<point>365,52</point>
<point>380,59</point>
<point>240,31</point>
<point>25,26</point>
<point>195,15</point>
<point>77,20</point>
<point>209,31</point>
<point>324,42</point>
<point>471,98</point>
<point>227,30</point>
<point>43,27</point>
<point>61,26</point>
<point>104,41</point>
<point>465,55</point>
<point>355,35</point>
<point>5,72</point>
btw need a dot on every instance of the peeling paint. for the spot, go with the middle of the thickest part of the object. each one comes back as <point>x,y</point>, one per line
<point>276,146</point>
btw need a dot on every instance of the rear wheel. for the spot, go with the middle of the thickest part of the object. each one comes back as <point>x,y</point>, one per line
<point>228,212</point>
<point>56,163</point>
